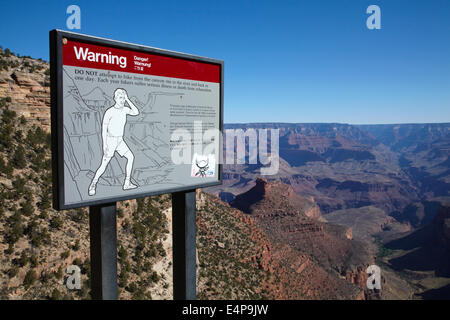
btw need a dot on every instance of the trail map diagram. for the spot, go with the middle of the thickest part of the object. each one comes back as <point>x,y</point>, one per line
<point>139,143</point>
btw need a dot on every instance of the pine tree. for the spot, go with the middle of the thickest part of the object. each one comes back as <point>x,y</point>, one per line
<point>30,278</point>
<point>18,158</point>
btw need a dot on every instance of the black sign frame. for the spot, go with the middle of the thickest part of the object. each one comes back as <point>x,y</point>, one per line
<point>56,101</point>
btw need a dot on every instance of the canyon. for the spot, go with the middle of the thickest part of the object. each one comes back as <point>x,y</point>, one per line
<point>345,197</point>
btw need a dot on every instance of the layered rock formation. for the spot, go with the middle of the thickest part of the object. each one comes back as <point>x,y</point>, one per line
<point>27,82</point>
<point>295,225</point>
<point>278,270</point>
<point>344,166</point>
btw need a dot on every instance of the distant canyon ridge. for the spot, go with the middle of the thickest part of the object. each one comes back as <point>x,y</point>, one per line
<point>344,166</point>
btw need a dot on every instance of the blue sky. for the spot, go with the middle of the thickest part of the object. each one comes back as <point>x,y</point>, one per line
<point>285,61</point>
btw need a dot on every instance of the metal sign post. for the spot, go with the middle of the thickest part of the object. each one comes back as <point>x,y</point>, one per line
<point>103,236</point>
<point>184,245</point>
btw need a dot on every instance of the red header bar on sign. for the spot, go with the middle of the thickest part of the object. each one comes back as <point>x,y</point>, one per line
<point>78,54</point>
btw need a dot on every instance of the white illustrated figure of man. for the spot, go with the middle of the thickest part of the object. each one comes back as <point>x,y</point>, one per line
<point>113,126</point>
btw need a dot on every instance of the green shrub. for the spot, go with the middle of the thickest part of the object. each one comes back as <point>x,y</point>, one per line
<point>18,136</point>
<point>86,267</point>
<point>45,277</point>
<point>123,254</point>
<point>45,200</point>
<point>43,215</point>
<point>23,260</point>
<point>30,278</point>
<point>18,159</point>
<point>154,277</point>
<point>2,165</point>
<point>33,261</point>
<point>59,273</point>
<point>56,222</point>
<point>77,262</point>
<point>38,238</point>
<point>9,170</point>
<point>13,271</point>
<point>31,228</point>
<point>123,278</point>
<point>8,118</point>
<point>76,247</point>
<point>56,295</point>
<point>78,215</point>
<point>19,185</point>
<point>6,141</point>
<point>27,209</point>
<point>132,287</point>
<point>10,249</point>
<point>16,230</point>
<point>36,136</point>
<point>65,254</point>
